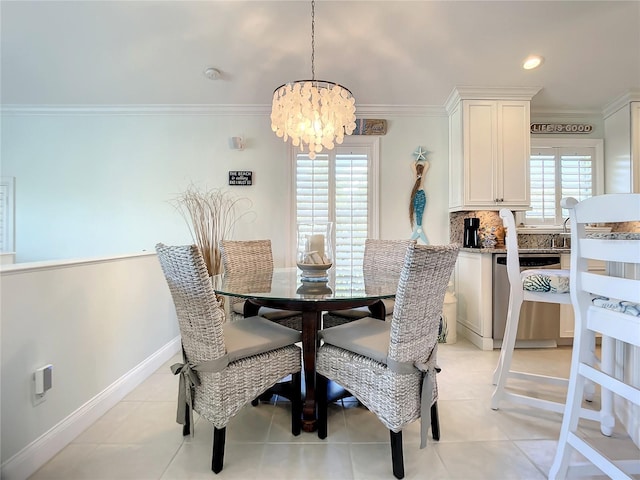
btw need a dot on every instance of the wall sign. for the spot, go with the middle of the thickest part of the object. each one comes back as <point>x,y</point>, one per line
<point>240,177</point>
<point>561,128</point>
<point>370,126</point>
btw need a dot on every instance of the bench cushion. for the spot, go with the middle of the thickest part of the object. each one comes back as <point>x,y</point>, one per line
<point>551,280</point>
<point>621,306</point>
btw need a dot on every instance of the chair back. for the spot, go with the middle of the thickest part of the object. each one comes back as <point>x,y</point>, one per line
<point>623,293</point>
<point>419,300</point>
<point>246,256</point>
<point>383,260</point>
<point>199,315</point>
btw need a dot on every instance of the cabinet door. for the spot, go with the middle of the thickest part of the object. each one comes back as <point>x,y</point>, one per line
<point>473,284</point>
<point>514,147</point>
<point>479,145</point>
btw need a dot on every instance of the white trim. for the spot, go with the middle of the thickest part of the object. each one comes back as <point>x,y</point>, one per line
<point>55,264</point>
<point>40,451</point>
<point>210,109</point>
<point>623,100</point>
<point>489,93</point>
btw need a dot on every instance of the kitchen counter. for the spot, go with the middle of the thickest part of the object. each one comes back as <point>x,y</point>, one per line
<point>520,250</point>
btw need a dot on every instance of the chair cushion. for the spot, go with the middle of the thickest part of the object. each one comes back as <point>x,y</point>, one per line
<point>266,312</point>
<point>621,306</point>
<point>275,314</point>
<point>368,337</point>
<point>254,335</point>
<point>545,280</point>
<point>352,313</point>
<point>361,312</point>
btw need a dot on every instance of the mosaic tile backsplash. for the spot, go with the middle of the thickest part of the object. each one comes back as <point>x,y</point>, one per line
<point>491,226</point>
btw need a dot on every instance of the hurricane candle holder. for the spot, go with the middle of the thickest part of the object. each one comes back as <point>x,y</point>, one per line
<point>315,252</point>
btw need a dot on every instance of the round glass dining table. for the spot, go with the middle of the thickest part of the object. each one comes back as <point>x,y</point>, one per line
<point>284,289</point>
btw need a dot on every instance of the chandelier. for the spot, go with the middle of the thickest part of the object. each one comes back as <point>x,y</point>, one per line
<point>316,113</point>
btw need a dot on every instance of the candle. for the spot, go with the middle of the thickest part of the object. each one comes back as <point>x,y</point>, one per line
<point>316,244</point>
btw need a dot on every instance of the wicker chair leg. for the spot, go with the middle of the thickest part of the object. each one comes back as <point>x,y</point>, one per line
<point>186,427</point>
<point>218,449</point>
<point>396,454</point>
<point>321,399</point>
<point>296,403</point>
<point>435,422</point>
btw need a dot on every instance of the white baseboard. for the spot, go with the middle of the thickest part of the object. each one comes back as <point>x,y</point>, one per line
<point>482,343</point>
<point>24,463</point>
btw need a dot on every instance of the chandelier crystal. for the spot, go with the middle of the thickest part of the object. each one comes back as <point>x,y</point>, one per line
<point>316,113</point>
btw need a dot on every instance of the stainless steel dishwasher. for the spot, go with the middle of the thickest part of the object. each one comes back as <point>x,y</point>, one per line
<point>538,321</point>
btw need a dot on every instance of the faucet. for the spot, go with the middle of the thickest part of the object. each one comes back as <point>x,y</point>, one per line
<point>564,231</point>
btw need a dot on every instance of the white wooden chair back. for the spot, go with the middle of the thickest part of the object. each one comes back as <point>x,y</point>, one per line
<point>608,305</point>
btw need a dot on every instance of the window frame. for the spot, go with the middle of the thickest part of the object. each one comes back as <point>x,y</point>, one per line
<point>568,142</point>
<point>371,144</point>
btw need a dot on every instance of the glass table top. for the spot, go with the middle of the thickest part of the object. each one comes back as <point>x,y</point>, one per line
<point>287,284</point>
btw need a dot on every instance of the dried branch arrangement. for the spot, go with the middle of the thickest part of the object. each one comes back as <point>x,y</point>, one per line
<point>211,216</point>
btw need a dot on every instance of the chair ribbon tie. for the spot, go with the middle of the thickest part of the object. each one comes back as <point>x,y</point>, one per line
<point>189,378</point>
<point>426,394</point>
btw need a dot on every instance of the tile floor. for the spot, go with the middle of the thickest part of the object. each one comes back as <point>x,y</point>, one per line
<point>139,439</point>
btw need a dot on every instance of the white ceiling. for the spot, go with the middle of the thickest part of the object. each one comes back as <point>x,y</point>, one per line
<point>385,52</point>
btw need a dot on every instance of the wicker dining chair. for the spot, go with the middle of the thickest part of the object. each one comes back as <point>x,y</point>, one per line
<point>253,257</point>
<point>225,364</point>
<point>390,367</point>
<point>382,259</point>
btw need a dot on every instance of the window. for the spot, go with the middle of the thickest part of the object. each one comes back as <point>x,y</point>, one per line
<point>340,186</point>
<point>559,169</point>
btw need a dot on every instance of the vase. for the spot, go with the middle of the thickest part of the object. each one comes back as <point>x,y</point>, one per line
<point>315,252</point>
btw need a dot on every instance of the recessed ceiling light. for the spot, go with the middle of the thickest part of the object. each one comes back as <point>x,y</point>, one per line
<point>532,62</point>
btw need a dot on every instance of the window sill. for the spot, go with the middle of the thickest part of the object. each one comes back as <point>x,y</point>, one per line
<point>555,229</point>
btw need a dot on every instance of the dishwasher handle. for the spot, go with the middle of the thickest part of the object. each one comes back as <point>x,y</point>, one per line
<point>532,262</point>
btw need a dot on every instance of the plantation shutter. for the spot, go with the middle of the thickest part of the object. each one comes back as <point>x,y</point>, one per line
<point>556,173</point>
<point>335,187</point>
<point>542,184</point>
<point>576,172</point>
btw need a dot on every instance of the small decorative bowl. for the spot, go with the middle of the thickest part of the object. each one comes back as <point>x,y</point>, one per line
<point>314,271</point>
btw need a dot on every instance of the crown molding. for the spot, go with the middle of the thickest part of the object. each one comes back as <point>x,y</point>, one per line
<point>489,93</point>
<point>248,110</point>
<point>80,110</point>
<point>632,95</point>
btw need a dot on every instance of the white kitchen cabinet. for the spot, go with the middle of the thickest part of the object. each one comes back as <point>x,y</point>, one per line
<point>622,145</point>
<point>489,148</point>
<point>473,284</point>
<point>566,311</point>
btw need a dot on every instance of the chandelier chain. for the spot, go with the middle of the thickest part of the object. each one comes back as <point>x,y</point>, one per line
<point>313,39</point>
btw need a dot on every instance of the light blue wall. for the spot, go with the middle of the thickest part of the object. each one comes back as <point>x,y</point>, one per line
<point>101,183</point>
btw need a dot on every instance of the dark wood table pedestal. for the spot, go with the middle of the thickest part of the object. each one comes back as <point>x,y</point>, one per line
<point>311,321</point>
